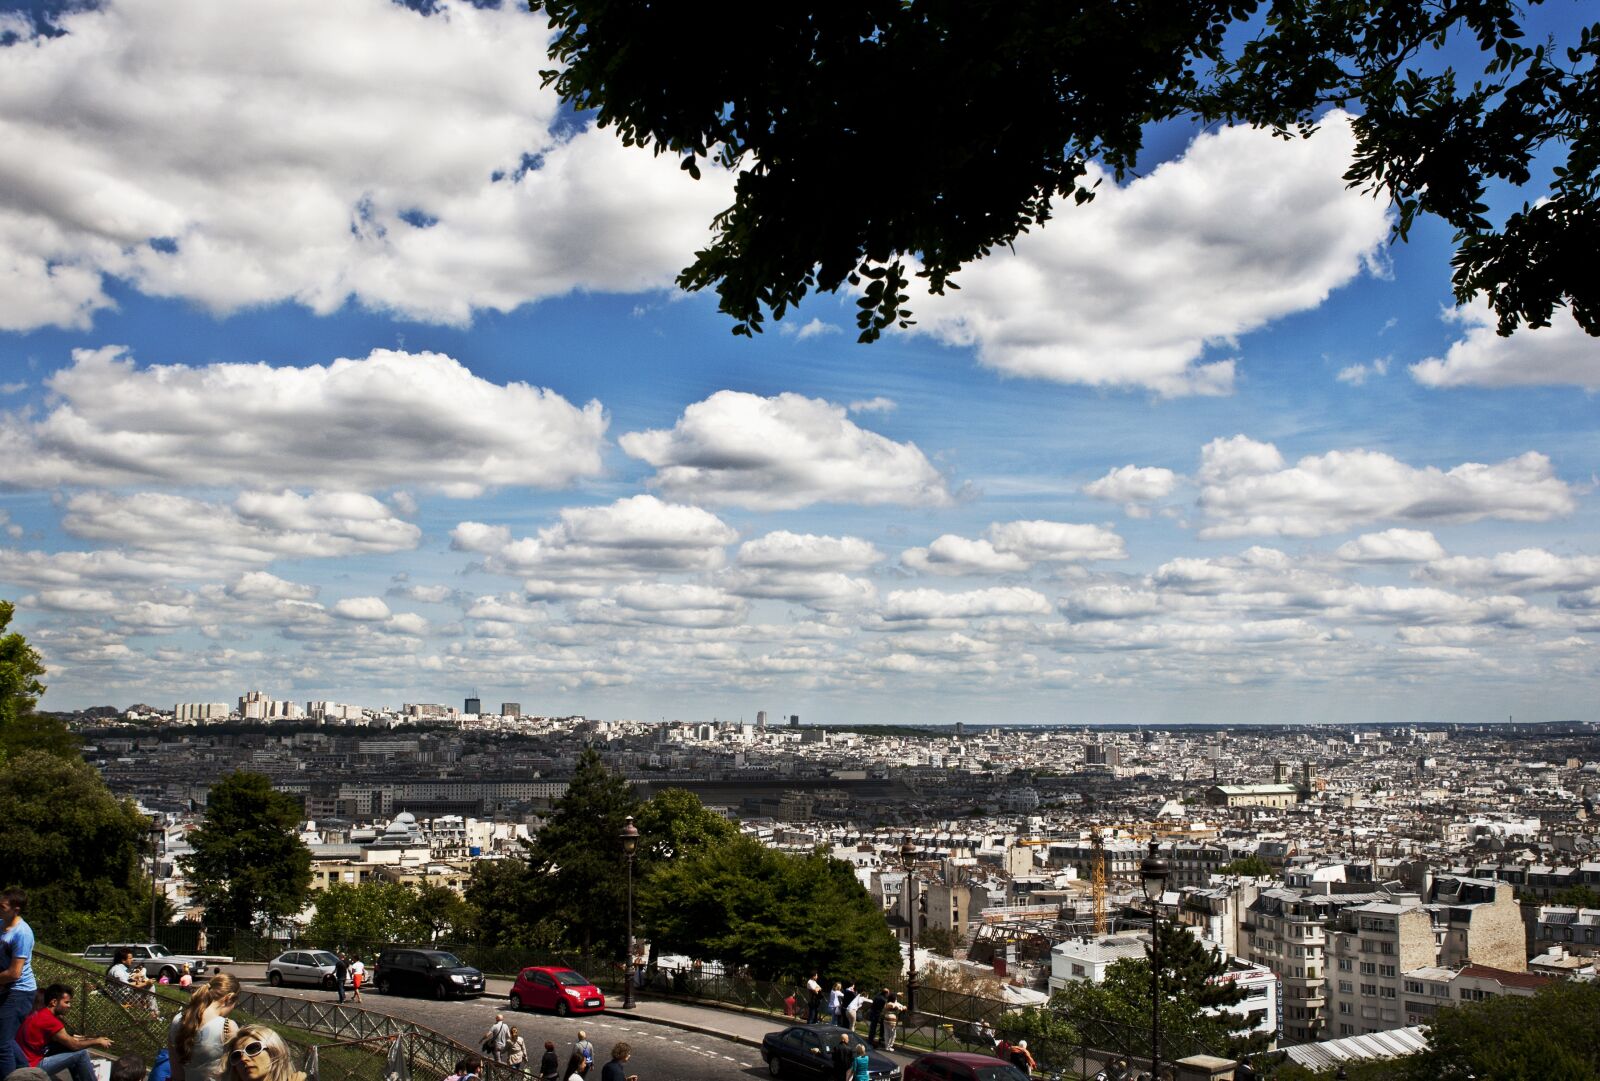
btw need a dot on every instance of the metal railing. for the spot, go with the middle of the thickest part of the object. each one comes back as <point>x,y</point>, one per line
<point>365,1045</point>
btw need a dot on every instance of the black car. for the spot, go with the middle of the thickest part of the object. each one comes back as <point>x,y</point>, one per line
<point>807,1051</point>
<point>437,973</point>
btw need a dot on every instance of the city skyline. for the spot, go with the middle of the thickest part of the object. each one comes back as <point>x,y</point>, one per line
<point>368,382</point>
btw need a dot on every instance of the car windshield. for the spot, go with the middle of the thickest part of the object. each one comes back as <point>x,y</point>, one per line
<point>570,978</point>
<point>999,1073</point>
<point>322,957</point>
<point>446,960</point>
<point>160,951</point>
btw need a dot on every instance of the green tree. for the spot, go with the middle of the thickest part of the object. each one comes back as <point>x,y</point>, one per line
<point>1579,896</point>
<point>20,669</point>
<point>939,940</point>
<point>73,846</point>
<point>1551,1035</point>
<point>1251,865</point>
<point>771,912</point>
<point>814,95</point>
<point>1115,1014</point>
<point>248,864</point>
<point>367,912</point>
<point>577,875</point>
<point>674,823</point>
<point>35,732</point>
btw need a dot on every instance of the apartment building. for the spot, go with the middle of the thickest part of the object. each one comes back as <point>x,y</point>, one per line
<point>1368,948</point>
<point>1427,990</point>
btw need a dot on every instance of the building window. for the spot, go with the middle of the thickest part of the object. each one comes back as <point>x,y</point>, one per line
<point>1368,968</point>
<point>1371,989</point>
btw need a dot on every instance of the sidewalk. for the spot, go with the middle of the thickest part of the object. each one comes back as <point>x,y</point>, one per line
<point>728,1023</point>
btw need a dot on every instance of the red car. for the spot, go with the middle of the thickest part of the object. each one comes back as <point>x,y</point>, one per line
<point>558,989</point>
<point>961,1066</point>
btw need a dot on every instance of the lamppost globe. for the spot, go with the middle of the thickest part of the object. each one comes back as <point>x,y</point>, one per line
<point>1153,875</point>
<point>630,845</point>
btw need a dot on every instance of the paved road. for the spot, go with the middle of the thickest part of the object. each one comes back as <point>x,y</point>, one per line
<point>660,1053</point>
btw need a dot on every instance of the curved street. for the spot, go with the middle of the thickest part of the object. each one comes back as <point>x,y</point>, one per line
<point>660,1052</point>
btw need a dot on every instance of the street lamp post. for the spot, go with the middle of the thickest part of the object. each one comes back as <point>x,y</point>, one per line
<point>908,854</point>
<point>630,843</point>
<point>155,871</point>
<point>1153,876</point>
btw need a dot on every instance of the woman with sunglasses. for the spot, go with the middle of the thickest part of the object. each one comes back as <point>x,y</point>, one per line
<point>259,1054</point>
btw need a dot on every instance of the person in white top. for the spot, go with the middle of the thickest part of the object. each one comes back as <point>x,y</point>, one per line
<point>358,972</point>
<point>198,1039</point>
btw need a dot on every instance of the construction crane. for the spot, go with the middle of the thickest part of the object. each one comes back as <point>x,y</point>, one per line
<point>1097,881</point>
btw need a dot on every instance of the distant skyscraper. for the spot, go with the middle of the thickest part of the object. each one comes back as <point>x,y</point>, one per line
<point>961,730</point>
<point>794,720</point>
<point>761,718</point>
<point>510,709</point>
<point>473,705</point>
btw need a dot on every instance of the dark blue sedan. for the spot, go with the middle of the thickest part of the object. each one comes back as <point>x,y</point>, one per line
<point>807,1051</point>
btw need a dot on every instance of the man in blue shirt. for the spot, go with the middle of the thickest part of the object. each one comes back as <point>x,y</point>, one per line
<point>16,976</point>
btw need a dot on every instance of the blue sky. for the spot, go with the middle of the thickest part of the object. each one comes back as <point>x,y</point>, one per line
<point>1209,449</point>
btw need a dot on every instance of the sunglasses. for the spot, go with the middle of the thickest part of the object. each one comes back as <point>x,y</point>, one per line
<point>249,1050</point>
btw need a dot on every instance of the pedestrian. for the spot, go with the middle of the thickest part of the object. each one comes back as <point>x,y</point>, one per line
<point>814,1007</point>
<point>463,1069</point>
<point>200,941</point>
<point>1022,1058</point>
<point>853,1008</point>
<point>45,1042</point>
<point>836,1004</point>
<point>875,1018</point>
<point>585,1049</point>
<point>517,1051</point>
<point>575,1066</point>
<point>862,1064</point>
<point>341,973</point>
<point>844,1059</point>
<point>614,1071</point>
<point>358,971</point>
<point>496,1039</point>
<point>791,1005</point>
<point>550,1063</point>
<point>892,1010</point>
<point>16,976</point>
<point>198,1038</point>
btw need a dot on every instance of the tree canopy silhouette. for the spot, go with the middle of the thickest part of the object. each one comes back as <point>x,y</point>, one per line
<point>871,134</point>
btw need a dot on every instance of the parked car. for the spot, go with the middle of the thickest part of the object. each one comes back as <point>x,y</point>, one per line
<point>438,973</point>
<point>558,989</point>
<point>807,1051</point>
<point>156,960</point>
<point>961,1066</point>
<point>315,968</point>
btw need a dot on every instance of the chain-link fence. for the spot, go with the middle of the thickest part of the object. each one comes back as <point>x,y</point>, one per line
<point>328,1041</point>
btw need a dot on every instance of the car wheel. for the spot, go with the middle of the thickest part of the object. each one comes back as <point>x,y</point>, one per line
<point>328,984</point>
<point>440,991</point>
<point>515,1001</point>
<point>275,978</point>
<point>562,1009</point>
<point>383,985</point>
<point>168,973</point>
<point>775,1066</point>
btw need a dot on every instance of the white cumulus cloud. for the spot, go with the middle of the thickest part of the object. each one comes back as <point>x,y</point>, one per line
<point>1013,547</point>
<point>1392,546</point>
<point>781,453</point>
<point>639,533</point>
<point>1247,488</point>
<point>390,419</point>
<point>1560,354</point>
<point>1130,289</point>
<point>412,162</point>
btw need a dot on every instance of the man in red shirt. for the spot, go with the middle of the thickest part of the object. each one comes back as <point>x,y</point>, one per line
<point>47,1044</point>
